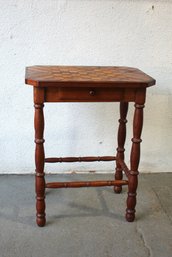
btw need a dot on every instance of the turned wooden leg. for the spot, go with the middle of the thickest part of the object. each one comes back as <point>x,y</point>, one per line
<point>39,163</point>
<point>121,141</point>
<point>134,162</point>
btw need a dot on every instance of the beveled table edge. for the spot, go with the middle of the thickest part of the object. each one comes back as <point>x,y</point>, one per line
<point>48,83</point>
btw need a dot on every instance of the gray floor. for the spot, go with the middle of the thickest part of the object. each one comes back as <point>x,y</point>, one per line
<point>86,222</point>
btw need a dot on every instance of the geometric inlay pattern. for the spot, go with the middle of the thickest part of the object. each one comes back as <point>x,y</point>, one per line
<point>89,74</point>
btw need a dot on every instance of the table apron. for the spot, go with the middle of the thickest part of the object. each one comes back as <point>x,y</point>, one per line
<point>90,94</point>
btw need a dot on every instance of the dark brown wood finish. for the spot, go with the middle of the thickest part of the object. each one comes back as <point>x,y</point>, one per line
<point>135,157</point>
<point>39,158</point>
<point>86,184</point>
<point>121,142</point>
<point>90,84</point>
<point>81,159</point>
<point>89,94</point>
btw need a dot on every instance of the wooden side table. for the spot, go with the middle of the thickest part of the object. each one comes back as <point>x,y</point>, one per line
<point>90,84</point>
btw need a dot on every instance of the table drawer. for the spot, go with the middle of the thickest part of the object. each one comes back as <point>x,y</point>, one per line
<point>75,94</point>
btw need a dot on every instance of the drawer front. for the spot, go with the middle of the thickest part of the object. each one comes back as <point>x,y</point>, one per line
<point>74,94</point>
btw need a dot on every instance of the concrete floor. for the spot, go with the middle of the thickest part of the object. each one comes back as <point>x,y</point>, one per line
<point>86,222</point>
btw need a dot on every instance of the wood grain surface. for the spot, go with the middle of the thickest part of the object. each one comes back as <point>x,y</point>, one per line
<point>68,76</point>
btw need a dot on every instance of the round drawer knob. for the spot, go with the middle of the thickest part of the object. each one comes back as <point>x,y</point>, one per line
<point>92,92</point>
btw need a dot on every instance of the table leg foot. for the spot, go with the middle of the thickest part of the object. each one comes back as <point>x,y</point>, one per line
<point>131,201</point>
<point>41,221</point>
<point>117,189</point>
<point>40,207</point>
<point>130,215</point>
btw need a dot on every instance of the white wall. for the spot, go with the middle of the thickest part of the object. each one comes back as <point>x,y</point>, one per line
<point>80,32</point>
